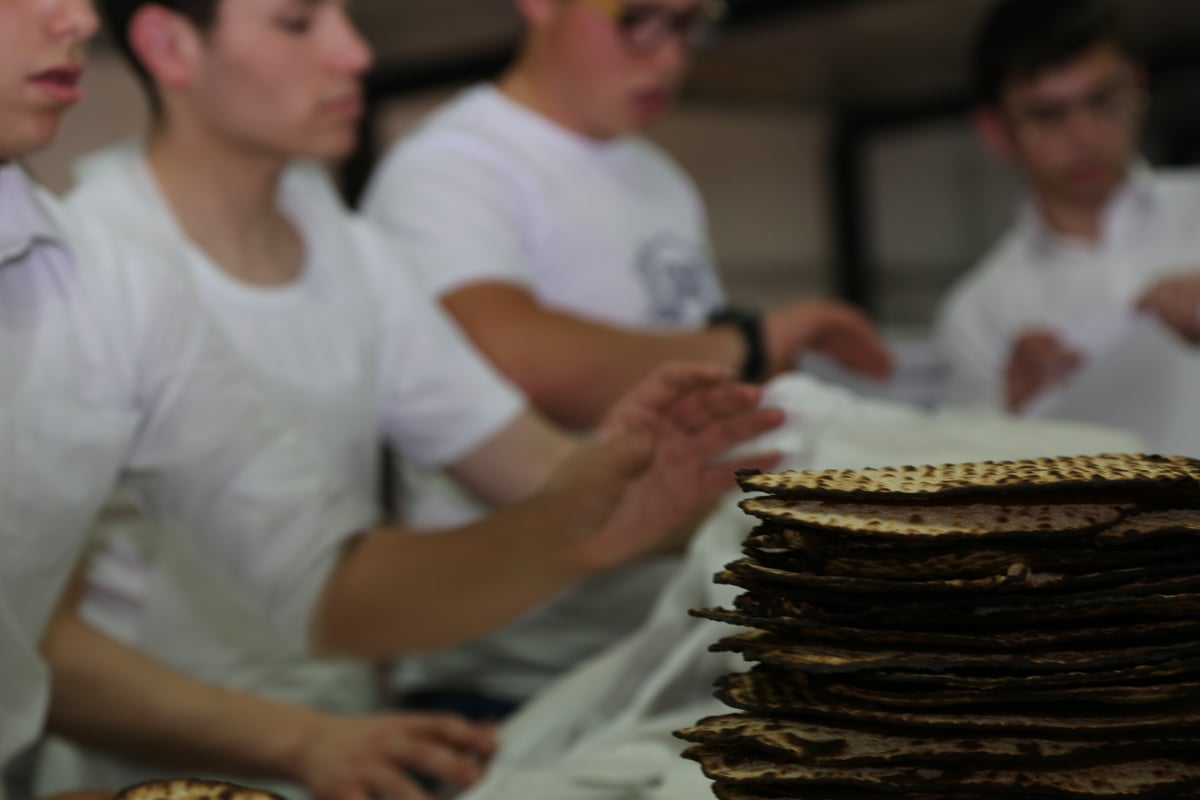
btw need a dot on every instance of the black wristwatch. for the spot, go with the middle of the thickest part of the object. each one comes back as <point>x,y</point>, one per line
<point>749,324</point>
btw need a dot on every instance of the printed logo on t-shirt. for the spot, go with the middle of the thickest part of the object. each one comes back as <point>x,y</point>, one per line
<point>681,283</point>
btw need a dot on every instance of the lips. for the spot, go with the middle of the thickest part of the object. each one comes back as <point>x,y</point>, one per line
<point>60,84</point>
<point>652,103</point>
<point>1089,173</point>
<point>350,105</point>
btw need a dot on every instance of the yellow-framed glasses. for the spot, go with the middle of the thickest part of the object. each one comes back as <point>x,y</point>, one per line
<point>646,26</point>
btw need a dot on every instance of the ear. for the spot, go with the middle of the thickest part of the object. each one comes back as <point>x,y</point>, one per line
<point>167,44</point>
<point>994,133</point>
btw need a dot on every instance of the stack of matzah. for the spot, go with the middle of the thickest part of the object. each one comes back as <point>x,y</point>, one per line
<point>1002,630</point>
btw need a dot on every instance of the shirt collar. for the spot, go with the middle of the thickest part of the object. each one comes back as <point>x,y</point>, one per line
<point>1130,205</point>
<point>24,222</point>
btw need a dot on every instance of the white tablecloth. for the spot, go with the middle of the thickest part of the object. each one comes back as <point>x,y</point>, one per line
<point>604,731</point>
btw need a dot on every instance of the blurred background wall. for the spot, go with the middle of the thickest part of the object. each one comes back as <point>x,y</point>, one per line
<point>830,138</point>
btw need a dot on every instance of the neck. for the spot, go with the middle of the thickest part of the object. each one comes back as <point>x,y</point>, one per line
<point>1076,220</point>
<point>527,85</point>
<point>224,199</point>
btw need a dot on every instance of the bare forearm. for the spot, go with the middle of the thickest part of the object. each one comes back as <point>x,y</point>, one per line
<point>399,592</point>
<point>110,697</point>
<point>578,378</point>
<point>574,369</point>
<point>515,463</point>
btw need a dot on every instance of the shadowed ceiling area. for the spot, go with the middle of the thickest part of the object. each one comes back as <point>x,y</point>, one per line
<point>810,52</point>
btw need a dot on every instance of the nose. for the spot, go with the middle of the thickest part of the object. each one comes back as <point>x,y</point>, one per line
<point>74,21</point>
<point>672,56</point>
<point>1085,129</point>
<point>351,53</point>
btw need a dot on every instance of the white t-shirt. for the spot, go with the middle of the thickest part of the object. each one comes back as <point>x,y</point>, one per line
<point>109,369</point>
<point>488,191</point>
<point>353,352</point>
<point>1037,279</point>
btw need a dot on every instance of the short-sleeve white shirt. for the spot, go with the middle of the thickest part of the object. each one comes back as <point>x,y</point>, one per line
<point>487,190</point>
<point>109,370</point>
<point>1035,278</point>
<point>352,352</point>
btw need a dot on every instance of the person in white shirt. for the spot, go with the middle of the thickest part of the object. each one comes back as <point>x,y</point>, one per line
<point>313,300</point>
<point>576,255</point>
<point>575,252</point>
<point>1102,238</point>
<point>111,370</point>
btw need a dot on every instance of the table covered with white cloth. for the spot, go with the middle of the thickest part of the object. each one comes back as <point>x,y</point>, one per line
<point>603,732</point>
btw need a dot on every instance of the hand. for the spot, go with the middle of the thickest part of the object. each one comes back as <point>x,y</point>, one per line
<point>654,471</point>
<point>836,329</point>
<point>1176,302</point>
<point>369,758</point>
<point>1039,361</point>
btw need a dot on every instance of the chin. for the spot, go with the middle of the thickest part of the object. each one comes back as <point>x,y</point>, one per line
<point>19,140</point>
<point>326,148</point>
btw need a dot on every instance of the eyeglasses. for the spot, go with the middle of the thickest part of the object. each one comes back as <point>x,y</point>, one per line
<point>1119,102</point>
<point>647,26</point>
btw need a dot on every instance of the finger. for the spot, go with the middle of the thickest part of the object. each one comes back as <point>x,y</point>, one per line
<point>391,783</point>
<point>850,338</point>
<point>669,382</point>
<point>437,760</point>
<point>656,393</point>
<point>720,437</point>
<point>698,409</point>
<point>456,731</point>
<point>1182,312</point>
<point>1023,384</point>
<point>868,357</point>
<point>1069,363</point>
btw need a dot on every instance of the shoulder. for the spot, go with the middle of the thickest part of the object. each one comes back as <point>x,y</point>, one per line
<point>1177,179</point>
<point>654,161</point>
<point>997,268</point>
<point>134,288</point>
<point>383,259</point>
<point>468,130</point>
<point>309,194</point>
<point>1177,186</point>
<point>978,291</point>
<point>662,174</point>
<point>655,157</point>
<point>115,191</point>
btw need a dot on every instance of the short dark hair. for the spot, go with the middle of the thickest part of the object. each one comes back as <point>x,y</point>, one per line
<point>1021,38</point>
<point>119,13</point>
